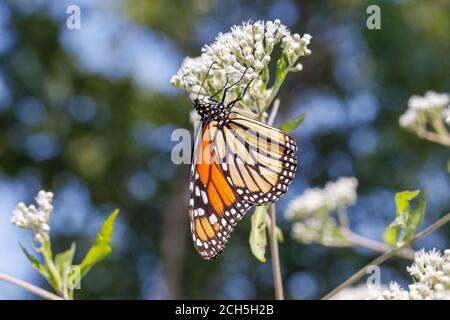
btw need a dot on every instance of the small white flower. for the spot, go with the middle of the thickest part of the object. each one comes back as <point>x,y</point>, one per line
<point>312,200</point>
<point>360,292</point>
<point>408,119</point>
<point>446,115</point>
<point>35,219</point>
<point>425,113</point>
<point>431,100</point>
<point>395,292</point>
<point>341,193</point>
<point>316,230</point>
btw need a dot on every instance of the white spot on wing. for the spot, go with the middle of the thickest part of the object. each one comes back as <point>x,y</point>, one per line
<point>212,218</point>
<point>204,197</point>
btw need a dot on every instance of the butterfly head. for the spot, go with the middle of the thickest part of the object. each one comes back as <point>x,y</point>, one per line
<point>212,110</point>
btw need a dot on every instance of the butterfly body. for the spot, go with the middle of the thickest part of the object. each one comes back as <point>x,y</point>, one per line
<point>212,110</point>
<point>237,163</point>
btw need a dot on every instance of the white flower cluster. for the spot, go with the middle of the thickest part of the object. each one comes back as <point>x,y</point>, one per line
<point>316,230</point>
<point>359,292</point>
<point>35,219</point>
<point>245,49</point>
<point>313,209</point>
<point>431,274</point>
<point>421,109</point>
<point>341,193</point>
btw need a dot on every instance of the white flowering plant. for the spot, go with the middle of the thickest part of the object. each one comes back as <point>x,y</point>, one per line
<point>245,55</point>
<point>58,269</point>
<point>313,212</point>
<point>320,216</point>
<point>428,116</point>
<point>247,50</point>
<point>430,272</point>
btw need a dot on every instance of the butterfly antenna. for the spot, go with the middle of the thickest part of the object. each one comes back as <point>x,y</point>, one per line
<point>232,85</point>
<point>239,80</point>
<point>240,96</point>
<point>223,88</point>
<point>204,79</point>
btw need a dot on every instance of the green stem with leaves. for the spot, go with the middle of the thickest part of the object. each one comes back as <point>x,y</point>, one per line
<point>53,273</point>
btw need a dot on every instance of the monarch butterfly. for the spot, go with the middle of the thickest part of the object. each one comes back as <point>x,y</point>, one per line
<point>237,162</point>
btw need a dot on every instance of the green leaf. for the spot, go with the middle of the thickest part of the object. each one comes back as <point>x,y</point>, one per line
<point>63,261</point>
<point>402,200</point>
<point>258,238</point>
<point>264,78</point>
<point>282,65</point>
<point>34,262</point>
<point>419,213</point>
<point>391,235</point>
<point>291,125</point>
<point>448,166</point>
<point>102,246</point>
<point>407,221</point>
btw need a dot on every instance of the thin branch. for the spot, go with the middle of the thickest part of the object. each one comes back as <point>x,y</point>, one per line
<point>273,112</point>
<point>381,259</point>
<point>360,241</point>
<point>343,217</point>
<point>279,295</point>
<point>439,127</point>
<point>275,254</point>
<point>29,287</point>
<point>434,137</point>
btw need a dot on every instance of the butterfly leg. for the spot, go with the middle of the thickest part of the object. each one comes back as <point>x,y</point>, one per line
<point>240,96</point>
<point>223,88</point>
<point>232,85</point>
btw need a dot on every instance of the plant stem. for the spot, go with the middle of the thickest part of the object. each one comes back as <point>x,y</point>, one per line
<point>55,278</point>
<point>434,137</point>
<point>279,295</point>
<point>358,275</point>
<point>273,93</point>
<point>360,241</point>
<point>343,217</point>
<point>273,112</point>
<point>29,287</point>
<point>275,254</point>
<point>439,127</point>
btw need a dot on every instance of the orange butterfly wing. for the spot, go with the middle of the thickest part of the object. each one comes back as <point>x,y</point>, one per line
<point>242,164</point>
<point>214,205</point>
